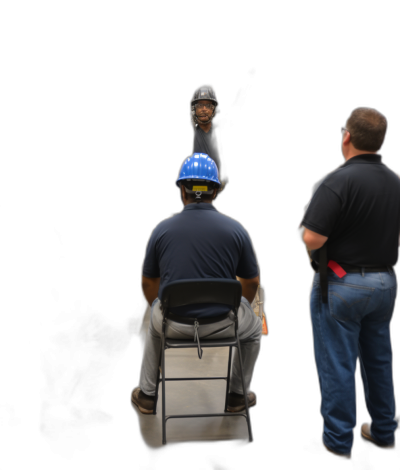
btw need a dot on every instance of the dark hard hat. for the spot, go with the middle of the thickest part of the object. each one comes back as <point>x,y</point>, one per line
<point>204,93</point>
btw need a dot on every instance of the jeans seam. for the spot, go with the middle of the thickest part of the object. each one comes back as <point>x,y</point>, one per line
<point>341,298</point>
<point>351,285</point>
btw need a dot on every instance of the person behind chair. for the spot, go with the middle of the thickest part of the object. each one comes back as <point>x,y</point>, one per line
<point>200,243</point>
<point>203,107</point>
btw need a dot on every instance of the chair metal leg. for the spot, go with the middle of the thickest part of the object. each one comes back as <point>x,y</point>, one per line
<point>244,391</point>
<point>157,385</point>
<point>164,431</point>
<point>228,379</point>
<point>164,379</point>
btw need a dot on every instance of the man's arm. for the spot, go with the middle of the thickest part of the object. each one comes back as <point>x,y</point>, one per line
<point>249,287</point>
<point>313,240</point>
<point>150,286</point>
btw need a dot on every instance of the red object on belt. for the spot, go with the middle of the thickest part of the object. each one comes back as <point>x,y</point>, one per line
<point>338,270</point>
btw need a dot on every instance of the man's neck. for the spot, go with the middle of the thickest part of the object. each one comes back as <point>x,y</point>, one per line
<point>357,153</point>
<point>186,202</point>
<point>205,127</point>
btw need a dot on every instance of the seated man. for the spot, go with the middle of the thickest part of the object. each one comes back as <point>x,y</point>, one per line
<point>199,242</point>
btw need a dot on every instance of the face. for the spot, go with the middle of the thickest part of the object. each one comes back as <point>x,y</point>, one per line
<point>204,110</point>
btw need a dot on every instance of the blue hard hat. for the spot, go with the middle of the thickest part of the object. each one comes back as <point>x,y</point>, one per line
<point>199,166</point>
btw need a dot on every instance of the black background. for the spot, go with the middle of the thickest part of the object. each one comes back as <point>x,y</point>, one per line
<point>106,134</point>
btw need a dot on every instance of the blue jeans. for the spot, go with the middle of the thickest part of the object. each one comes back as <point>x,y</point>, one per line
<point>354,323</point>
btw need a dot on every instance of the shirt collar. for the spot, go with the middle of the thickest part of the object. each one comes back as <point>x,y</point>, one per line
<point>207,206</point>
<point>364,158</point>
<point>201,130</point>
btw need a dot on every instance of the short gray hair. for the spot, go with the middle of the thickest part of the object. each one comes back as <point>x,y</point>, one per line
<point>367,128</point>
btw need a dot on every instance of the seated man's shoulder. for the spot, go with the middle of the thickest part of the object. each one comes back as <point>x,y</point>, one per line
<point>231,223</point>
<point>168,222</point>
<point>229,219</point>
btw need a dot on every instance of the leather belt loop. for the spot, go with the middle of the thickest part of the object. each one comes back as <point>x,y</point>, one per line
<point>323,270</point>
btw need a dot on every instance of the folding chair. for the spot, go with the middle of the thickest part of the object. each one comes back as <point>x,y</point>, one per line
<point>198,291</point>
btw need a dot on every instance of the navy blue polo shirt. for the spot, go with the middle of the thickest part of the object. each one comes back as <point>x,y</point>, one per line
<point>199,243</point>
<point>357,207</point>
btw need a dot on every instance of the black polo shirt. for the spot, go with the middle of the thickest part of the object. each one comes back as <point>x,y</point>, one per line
<point>358,208</point>
<point>205,142</point>
<point>199,243</point>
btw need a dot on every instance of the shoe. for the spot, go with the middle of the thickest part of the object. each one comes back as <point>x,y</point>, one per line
<point>366,434</point>
<point>144,402</point>
<point>336,453</point>
<point>236,401</point>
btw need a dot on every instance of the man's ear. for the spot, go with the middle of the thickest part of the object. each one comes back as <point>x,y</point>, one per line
<point>183,193</point>
<point>346,138</point>
<point>215,194</point>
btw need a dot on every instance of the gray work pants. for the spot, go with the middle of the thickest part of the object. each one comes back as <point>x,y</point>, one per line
<point>249,329</point>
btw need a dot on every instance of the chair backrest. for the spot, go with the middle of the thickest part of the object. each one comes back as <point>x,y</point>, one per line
<point>200,291</point>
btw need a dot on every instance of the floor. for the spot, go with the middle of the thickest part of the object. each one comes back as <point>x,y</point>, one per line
<point>192,397</point>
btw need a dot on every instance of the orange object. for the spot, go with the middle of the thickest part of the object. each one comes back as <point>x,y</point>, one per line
<point>264,325</point>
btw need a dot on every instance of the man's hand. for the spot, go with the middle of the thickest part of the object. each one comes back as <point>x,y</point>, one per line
<point>249,287</point>
<point>150,286</point>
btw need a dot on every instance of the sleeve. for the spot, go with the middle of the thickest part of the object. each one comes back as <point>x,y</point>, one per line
<point>247,267</point>
<point>323,211</point>
<point>151,266</point>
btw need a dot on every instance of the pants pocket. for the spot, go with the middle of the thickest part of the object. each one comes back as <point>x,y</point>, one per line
<point>347,301</point>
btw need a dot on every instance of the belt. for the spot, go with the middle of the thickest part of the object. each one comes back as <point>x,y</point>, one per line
<point>340,270</point>
<point>350,269</point>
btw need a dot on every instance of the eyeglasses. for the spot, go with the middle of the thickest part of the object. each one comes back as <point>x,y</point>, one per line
<point>207,105</point>
<point>343,130</point>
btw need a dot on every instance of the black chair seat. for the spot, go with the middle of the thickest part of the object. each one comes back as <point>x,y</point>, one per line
<point>205,343</point>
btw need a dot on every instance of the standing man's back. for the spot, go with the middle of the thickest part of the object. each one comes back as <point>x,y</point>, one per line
<point>358,208</point>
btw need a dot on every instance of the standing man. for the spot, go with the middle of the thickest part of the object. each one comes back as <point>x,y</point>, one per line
<point>200,243</point>
<point>204,107</point>
<point>352,228</point>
